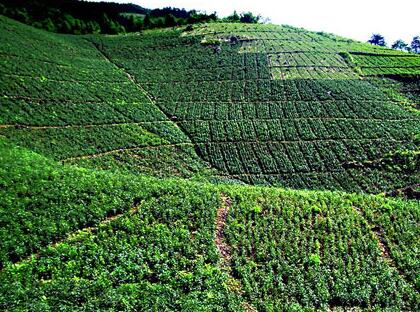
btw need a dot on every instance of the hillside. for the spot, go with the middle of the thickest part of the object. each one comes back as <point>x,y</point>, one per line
<point>258,105</point>
<point>149,244</point>
<point>222,167</point>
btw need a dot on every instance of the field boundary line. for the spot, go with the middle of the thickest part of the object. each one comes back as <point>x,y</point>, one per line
<point>116,124</point>
<point>74,234</point>
<point>124,149</point>
<point>302,141</point>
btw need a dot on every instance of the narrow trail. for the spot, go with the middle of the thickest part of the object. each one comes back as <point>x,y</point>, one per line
<point>379,235</point>
<point>377,231</point>
<point>223,248</point>
<point>221,215</point>
<point>74,234</point>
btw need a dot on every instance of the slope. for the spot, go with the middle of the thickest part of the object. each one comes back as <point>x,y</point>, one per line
<point>261,104</point>
<point>62,98</point>
<point>277,105</point>
<point>75,239</point>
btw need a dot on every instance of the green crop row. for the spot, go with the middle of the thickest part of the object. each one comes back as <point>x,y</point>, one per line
<point>158,161</point>
<point>247,112</point>
<point>316,250</point>
<point>160,256</point>
<point>57,113</point>
<point>299,129</point>
<point>291,249</point>
<point>306,59</point>
<point>265,91</point>
<point>53,90</point>
<point>278,157</point>
<point>369,61</point>
<point>62,143</point>
<point>353,180</point>
<point>312,73</point>
<point>378,71</point>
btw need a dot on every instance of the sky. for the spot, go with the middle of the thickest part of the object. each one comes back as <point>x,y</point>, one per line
<point>356,19</point>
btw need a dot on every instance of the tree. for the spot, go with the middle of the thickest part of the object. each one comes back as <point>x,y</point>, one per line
<point>399,45</point>
<point>415,44</point>
<point>377,39</point>
<point>170,20</point>
<point>48,25</point>
<point>248,17</point>
<point>234,18</point>
<point>147,23</point>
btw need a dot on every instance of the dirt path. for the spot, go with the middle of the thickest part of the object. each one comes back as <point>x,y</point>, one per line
<point>379,234</point>
<point>223,248</point>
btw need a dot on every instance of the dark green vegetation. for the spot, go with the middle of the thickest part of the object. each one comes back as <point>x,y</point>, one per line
<point>73,103</point>
<point>242,104</point>
<point>264,115</point>
<point>180,118</point>
<point>84,17</point>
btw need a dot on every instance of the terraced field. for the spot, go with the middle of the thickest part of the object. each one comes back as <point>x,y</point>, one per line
<point>61,97</point>
<point>262,107</point>
<point>137,171</point>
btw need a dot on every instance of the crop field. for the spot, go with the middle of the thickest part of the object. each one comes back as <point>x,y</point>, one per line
<point>382,65</point>
<point>272,116</point>
<point>289,115</point>
<point>148,244</point>
<point>217,167</point>
<point>73,104</point>
<point>318,250</point>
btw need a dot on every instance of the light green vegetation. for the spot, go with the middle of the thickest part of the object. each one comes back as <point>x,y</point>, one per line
<point>61,97</point>
<point>155,247</point>
<point>137,172</point>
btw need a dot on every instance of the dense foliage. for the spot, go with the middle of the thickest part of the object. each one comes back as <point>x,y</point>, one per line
<point>324,250</point>
<point>297,119</point>
<point>264,115</point>
<point>158,256</point>
<point>74,103</point>
<point>226,105</point>
<point>150,244</point>
<point>83,17</point>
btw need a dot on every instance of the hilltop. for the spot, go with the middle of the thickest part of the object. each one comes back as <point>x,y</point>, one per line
<point>215,167</point>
